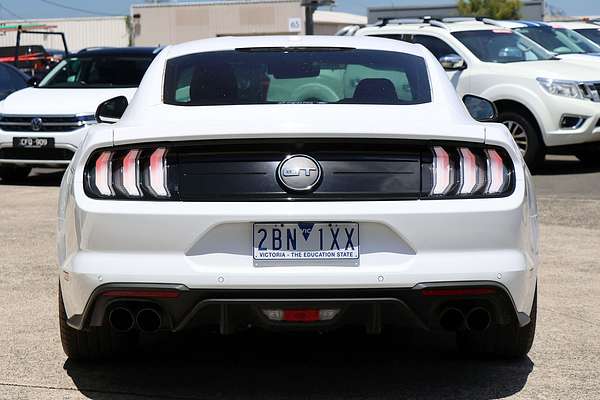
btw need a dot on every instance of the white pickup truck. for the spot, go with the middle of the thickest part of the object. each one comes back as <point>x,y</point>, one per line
<point>43,126</point>
<point>550,105</point>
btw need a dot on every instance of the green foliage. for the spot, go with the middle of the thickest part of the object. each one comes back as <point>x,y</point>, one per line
<point>497,9</point>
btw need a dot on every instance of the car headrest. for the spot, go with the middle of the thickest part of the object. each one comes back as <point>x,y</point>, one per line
<point>375,91</point>
<point>214,84</point>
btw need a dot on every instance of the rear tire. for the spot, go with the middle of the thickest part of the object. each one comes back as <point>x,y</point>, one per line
<point>93,344</point>
<point>526,136</point>
<point>510,341</point>
<point>13,173</point>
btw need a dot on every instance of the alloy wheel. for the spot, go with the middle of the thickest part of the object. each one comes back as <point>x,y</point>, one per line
<point>518,133</point>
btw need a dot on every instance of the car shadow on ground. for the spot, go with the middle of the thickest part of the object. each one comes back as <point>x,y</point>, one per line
<point>397,366</point>
<point>39,178</point>
<point>565,166</point>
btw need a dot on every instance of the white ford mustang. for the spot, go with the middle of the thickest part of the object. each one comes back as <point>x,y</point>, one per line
<point>297,183</point>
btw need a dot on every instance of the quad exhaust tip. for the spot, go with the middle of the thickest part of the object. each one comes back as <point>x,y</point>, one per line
<point>121,319</point>
<point>148,320</point>
<point>452,319</point>
<point>478,319</point>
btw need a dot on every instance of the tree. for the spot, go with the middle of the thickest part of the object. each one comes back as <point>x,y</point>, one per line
<point>497,9</point>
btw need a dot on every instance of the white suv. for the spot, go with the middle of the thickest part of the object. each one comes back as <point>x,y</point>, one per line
<point>247,184</point>
<point>590,29</point>
<point>43,126</point>
<point>549,105</point>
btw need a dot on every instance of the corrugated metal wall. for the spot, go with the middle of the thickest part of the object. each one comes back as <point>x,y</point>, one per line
<point>80,33</point>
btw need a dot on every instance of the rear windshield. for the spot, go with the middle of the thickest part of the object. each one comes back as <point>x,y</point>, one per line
<point>591,33</point>
<point>560,41</point>
<point>305,76</point>
<point>502,46</point>
<point>97,72</point>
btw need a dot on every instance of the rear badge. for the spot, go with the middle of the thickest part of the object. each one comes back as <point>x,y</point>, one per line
<point>299,173</point>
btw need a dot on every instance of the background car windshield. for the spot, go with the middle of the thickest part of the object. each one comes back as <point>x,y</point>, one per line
<point>560,41</point>
<point>97,72</point>
<point>593,34</point>
<point>501,46</point>
<point>313,76</point>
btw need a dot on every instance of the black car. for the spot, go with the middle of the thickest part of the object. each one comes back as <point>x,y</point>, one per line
<point>11,80</point>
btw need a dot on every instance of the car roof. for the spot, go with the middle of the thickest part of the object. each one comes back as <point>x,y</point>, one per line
<point>232,43</point>
<point>575,24</point>
<point>118,51</point>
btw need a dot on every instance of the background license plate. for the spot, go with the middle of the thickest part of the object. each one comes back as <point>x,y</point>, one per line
<point>306,241</point>
<point>32,142</point>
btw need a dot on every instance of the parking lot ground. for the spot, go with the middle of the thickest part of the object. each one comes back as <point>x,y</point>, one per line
<point>563,363</point>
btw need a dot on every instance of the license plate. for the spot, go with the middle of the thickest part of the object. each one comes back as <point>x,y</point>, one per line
<point>33,142</point>
<point>306,241</point>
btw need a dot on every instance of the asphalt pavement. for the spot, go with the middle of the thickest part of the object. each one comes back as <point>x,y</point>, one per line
<point>563,363</point>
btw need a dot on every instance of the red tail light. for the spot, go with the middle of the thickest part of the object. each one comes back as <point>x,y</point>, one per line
<point>129,174</point>
<point>469,172</point>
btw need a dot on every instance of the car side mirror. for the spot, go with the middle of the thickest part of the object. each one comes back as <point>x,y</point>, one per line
<point>452,62</point>
<point>111,110</point>
<point>480,109</point>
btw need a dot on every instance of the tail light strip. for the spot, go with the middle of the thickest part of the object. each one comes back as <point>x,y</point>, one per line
<point>130,174</point>
<point>469,172</point>
<point>152,173</point>
<point>158,176</point>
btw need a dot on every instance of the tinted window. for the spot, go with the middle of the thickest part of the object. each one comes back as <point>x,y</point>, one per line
<point>561,41</point>
<point>593,34</point>
<point>275,76</point>
<point>97,72</point>
<point>438,47</point>
<point>501,46</point>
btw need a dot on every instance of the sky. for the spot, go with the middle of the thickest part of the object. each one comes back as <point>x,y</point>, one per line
<point>27,9</point>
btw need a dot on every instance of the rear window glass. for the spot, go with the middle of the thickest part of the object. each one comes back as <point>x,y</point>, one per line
<point>306,76</point>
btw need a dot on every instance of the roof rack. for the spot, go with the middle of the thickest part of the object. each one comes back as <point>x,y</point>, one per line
<point>434,21</point>
<point>383,21</point>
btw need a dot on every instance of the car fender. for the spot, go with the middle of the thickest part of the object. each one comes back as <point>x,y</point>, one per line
<point>523,95</point>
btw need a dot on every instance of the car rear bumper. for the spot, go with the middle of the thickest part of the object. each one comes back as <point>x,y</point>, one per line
<point>420,306</point>
<point>208,246</point>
